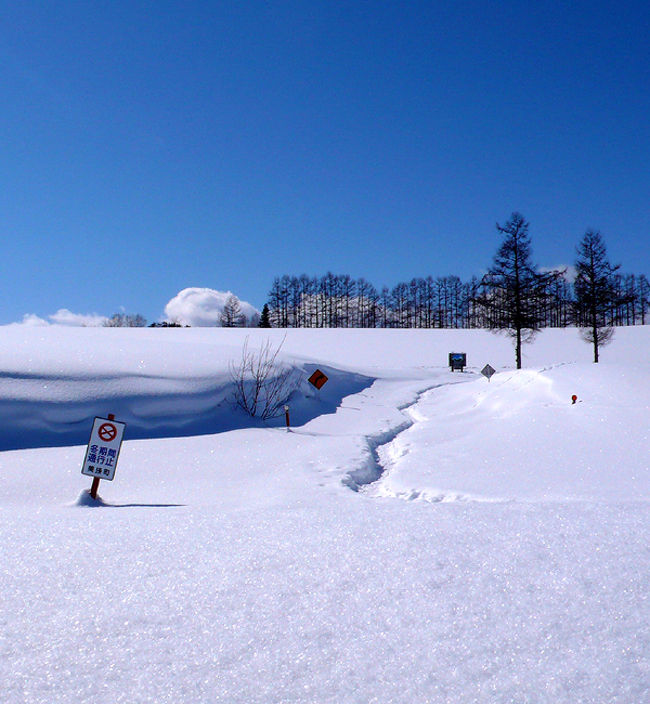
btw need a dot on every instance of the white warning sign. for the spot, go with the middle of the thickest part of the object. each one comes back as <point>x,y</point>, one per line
<point>103,449</point>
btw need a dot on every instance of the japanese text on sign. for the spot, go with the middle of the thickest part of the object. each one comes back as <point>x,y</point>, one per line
<point>103,449</point>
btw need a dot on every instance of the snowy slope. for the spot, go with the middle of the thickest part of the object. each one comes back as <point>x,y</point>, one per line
<point>259,565</point>
<point>161,382</point>
<point>520,437</point>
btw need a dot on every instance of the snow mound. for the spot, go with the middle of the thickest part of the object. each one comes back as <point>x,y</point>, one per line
<point>160,382</point>
<point>521,437</point>
<point>85,499</point>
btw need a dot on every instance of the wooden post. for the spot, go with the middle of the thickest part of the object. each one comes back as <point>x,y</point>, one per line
<point>95,484</point>
<point>94,487</point>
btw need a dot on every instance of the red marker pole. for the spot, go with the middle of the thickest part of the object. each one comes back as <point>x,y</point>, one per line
<point>286,416</point>
<point>95,486</point>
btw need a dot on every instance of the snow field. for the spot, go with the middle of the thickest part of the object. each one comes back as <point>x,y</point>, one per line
<point>397,602</point>
<point>241,567</point>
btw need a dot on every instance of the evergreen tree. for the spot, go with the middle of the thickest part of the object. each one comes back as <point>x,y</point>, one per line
<point>265,318</point>
<point>595,291</point>
<point>513,291</point>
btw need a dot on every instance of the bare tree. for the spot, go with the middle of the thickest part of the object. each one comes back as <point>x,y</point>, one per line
<point>231,315</point>
<point>514,297</point>
<point>644,297</point>
<point>126,320</point>
<point>262,384</point>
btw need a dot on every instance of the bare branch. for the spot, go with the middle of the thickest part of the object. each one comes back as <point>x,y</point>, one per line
<point>261,384</point>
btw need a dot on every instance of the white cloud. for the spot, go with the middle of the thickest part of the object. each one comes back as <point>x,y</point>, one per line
<point>569,271</point>
<point>32,320</point>
<point>202,307</point>
<point>65,317</point>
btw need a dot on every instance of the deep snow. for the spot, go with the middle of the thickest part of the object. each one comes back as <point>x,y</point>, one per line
<point>498,554</point>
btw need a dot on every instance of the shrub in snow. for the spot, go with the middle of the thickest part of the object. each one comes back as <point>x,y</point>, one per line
<point>262,384</point>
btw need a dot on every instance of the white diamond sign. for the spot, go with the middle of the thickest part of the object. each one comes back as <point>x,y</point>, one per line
<point>488,371</point>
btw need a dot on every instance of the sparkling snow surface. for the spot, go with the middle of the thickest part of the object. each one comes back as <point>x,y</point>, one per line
<point>421,536</point>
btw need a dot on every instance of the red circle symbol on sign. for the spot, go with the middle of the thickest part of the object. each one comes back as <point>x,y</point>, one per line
<point>107,432</point>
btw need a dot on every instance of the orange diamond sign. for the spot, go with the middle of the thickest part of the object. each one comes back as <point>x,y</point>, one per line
<point>317,379</point>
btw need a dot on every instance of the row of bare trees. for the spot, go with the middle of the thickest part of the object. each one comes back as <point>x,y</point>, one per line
<point>514,296</point>
<point>338,301</point>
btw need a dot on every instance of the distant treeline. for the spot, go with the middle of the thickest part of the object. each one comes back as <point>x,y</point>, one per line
<point>514,295</point>
<point>339,301</point>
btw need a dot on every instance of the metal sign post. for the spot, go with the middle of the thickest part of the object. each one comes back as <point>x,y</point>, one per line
<point>102,451</point>
<point>457,360</point>
<point>488,371</point>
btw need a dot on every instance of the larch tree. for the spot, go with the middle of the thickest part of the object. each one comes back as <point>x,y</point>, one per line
<point>231,315</point>
<point>595,291</point>
<point>126,320</point>
<point>513,290</point>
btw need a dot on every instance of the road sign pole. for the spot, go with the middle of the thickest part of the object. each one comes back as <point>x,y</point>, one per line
<point>95,484</point>
<point>94,487</point>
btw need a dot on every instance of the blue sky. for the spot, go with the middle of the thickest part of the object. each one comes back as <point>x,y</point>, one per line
<point>149,147</point>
